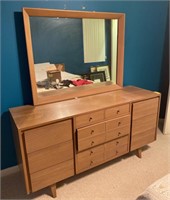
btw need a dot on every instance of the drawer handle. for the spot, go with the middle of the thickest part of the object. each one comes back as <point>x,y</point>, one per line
<point>90,119</point>
<point>92,143</point>
<point>91,152</point>
<point>119,133</point>
<point>119,123</point>
<point>92,131</point>
<point>91,162</point>
<point>118,111</point>
<point>117,152</point>
<point>117,143</point>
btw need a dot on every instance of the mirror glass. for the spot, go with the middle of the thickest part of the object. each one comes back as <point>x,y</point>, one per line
<point>81,47</point>
<point>73,54</point>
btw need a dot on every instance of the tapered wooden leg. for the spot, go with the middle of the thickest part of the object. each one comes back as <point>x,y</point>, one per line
<point>53,189</point>
<point>139,153</point>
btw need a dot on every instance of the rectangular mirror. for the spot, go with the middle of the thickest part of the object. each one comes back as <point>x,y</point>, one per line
<point>73,54</point>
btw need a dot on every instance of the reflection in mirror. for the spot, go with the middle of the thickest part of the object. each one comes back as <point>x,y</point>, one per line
<point>68,52</point>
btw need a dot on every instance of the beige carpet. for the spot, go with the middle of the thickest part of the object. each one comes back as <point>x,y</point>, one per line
<point>122,179</point>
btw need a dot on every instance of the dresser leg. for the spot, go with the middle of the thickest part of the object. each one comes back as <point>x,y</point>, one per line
<point>53,189</point>
<point>139,153</point>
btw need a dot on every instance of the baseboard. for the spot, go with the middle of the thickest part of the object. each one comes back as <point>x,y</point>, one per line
<point>9,171</point>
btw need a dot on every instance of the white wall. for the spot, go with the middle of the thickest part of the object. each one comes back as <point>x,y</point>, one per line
<point>166,129</point>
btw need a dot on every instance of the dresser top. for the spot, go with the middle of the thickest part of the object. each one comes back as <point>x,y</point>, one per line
<point>29,116</point>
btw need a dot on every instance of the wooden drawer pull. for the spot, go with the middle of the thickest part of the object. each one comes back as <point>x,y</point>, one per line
<point>117,142</point>
<point>91,152</point>
<point>119,133</point>
<point>91,162</point>
<point>90,119</point>
<point>119,123</point>
<point>118,111</point>
<point>92,143</point>
<point>117,152</point>
<point>92,131</point>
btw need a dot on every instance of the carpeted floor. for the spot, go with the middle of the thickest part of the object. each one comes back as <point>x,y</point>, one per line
<point>121,179</point>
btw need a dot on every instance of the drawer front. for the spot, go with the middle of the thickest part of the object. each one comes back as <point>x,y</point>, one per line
<point>144,124</point>
<point>117,111</point>
<point>89,158</point>
<point>116,148</point>
<point>52,175</point>
<point>117,123</point>
<point>121,141</point>
<point>90,131</point>
<point>122,150</point>
<point>50,156</point>
<point>90,118</point>
<point>91,142</point>
<point>45,136</point>
<point>143,108</point>
<point>143,138</point>
<point>119,132</point>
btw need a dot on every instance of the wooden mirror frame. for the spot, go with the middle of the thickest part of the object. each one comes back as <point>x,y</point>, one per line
<point>75,92</point>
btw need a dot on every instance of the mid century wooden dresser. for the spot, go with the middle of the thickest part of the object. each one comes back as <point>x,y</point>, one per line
<point>69,131</point>
<point>58,140</point>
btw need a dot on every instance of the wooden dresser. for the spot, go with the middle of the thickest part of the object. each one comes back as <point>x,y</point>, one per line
<point>58,140</point>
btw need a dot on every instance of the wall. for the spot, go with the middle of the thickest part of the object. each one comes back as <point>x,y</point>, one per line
<point>164,80</point>
<point>144,45</point>
<point>166,128</point>
<point>61,41</point>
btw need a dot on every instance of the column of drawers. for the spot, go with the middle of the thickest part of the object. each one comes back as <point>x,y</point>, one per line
<point>49,150</point>
<point>144,122</point>
<point>102,136</point>
<point>117,128</point>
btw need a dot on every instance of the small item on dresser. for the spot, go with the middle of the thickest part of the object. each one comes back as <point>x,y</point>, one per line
<point>57,85</point>
<point>47,85</point>
<point>81,82</point>
<point>44,84</point>
<point>60,67</point>
<point>66,83</point>
<point>41,84</point>
<point>53,75</point>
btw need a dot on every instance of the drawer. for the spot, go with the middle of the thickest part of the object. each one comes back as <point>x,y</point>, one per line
<point>117,123</point>
<point>50,156</point>
<point>51,175</point>
<point>121,141</point>
<point>116,147</point>
<point>117,111</point>
<point>143,138</point>
<point>119,132</point>
<point>143,108</point>
<point>89,158</point>
<point>122,150</point>
<point>144,124</point>
<point>90,131</point>
<point>91,142</point>
<point>45,136</point>
<point>90,118</point>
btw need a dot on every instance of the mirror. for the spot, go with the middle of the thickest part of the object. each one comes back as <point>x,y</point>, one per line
<point>73,54</point>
